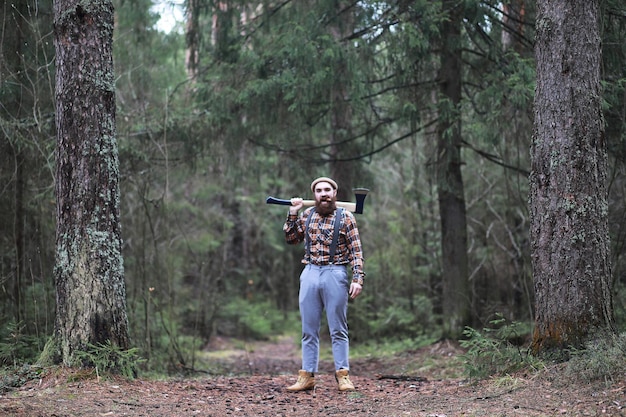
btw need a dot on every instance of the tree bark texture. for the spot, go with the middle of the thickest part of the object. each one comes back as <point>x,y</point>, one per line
<point>90,290</point>
<point>456,300</point>
<point>568,191</point>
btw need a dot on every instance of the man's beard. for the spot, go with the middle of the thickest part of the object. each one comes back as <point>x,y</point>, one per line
<point>326,209</point>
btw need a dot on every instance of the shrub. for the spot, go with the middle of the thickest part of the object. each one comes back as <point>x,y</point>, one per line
<point>255,320</point>
<point>491,352</point>
<point>16,347</point>
<point>601,359</point>
<point>108,358</point>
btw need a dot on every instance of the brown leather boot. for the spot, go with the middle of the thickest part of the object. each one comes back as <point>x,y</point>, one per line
<point>306,381</point>
<point>343,380</point>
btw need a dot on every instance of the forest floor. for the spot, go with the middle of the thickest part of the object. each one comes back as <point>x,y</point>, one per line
<point>424,382</point>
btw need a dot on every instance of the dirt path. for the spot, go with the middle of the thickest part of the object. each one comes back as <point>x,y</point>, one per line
<point>409,384</point>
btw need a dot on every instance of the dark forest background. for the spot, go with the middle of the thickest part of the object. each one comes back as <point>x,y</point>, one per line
<point>245,99</point>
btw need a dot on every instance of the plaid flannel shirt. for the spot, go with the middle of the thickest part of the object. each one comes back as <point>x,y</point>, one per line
<point>349,249</point>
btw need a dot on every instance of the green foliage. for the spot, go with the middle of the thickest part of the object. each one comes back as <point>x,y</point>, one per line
<point>16,346</point>
<point>108,358</point>
<point>403,319</point>
<point>51,353</point>
<point>198,158</point>
<point>388,347</point>
<point>172,354</point>
<point>602,359</point>
<point>254,320</point>
<point>619,304</point>
<point>491,352</point>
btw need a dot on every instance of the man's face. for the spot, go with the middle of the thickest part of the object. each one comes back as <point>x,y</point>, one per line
<point>324,192</point>
<point>325,196</point>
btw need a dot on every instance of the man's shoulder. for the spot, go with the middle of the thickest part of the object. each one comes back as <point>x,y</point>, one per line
<point>348,215</point>
<point>308,212</point>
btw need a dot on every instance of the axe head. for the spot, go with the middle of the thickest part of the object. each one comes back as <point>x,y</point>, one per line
<point>360,194</point>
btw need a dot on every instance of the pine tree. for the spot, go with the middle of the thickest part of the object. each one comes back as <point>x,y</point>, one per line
<point>568,198</point>
<point>89,274</point>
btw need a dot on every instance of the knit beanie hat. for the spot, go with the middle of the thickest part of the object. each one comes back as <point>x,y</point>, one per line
<point>323,179</point>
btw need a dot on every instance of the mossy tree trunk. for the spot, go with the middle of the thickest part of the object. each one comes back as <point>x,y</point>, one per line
<point>89,274</point>
<point>568,190</point>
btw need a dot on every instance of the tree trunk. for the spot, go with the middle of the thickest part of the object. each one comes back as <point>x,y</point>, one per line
<point>344,172</point>
<point>17,103</point>
<point>568,191</point>
<point>513,19</point>
<point>89,274</point>
<point>192,36</point>
<point>456,299</point>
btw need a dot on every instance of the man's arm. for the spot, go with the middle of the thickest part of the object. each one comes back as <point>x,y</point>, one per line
<point>294,226</point>
<point>294,231</point>
<point>355,248</point>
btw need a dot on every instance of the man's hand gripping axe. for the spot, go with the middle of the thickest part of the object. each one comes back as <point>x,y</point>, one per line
<point>359,194</point>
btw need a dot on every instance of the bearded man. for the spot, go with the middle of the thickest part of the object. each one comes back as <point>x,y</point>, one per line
<point>332,242</point>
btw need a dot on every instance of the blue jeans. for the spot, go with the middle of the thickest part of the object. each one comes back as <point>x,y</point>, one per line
<point>324,288</point>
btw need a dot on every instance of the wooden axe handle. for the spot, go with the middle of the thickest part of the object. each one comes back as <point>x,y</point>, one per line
<point>308,203</point>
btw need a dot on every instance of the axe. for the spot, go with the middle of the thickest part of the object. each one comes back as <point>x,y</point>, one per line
<point>359,194</point>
